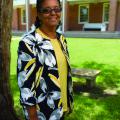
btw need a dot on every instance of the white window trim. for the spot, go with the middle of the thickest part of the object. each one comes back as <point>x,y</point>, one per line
<point>23,23</point>
<point>104,13</point>
<point>87,5</point>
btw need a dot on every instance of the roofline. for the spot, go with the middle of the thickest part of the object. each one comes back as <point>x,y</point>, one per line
<point>33,2</point>
<point>22,2</point>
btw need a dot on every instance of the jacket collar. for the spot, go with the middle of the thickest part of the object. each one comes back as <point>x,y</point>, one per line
<point>62,40</point>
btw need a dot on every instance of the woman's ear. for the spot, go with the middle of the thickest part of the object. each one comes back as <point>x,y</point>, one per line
<point>37,22</point>
<point>39,17</point>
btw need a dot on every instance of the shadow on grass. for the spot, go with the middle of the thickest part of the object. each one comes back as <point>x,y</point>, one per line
<point>15,93</point>
<point>13,84</point>
<point>108,78</point>
<point>110,75</point>
<point>86,108</point>
<point>95,105</point>
<point>111,106</point>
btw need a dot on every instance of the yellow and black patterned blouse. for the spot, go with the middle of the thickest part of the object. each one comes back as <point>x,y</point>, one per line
<point>38,76</point>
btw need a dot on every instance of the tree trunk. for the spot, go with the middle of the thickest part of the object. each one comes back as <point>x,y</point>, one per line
<point>6,102</point>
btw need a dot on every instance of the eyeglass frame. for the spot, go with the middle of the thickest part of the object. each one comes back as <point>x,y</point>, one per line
<point>50,10</point>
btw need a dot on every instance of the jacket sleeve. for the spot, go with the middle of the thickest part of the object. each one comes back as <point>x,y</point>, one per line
<point>27,73</point>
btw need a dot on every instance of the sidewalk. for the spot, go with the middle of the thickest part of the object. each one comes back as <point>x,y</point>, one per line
<point>92,34</point>
<point>81,34</point>
<point>18,33</point>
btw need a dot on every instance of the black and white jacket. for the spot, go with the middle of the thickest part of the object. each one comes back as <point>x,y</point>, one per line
<point>38,76</point>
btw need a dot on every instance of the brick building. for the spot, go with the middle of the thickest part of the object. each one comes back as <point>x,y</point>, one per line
<point>79,15</point>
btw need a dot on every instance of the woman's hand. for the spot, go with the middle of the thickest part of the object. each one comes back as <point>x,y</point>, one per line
<point>32,112</point>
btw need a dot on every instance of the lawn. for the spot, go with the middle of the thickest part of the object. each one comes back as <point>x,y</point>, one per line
<point>103,54</point>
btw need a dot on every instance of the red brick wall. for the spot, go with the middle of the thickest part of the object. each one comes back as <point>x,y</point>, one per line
<point>73,18</point>
<point>21,26</point>
<point>118,18</point>
<point>113,15</point>
<point>95,12</point>
<point>95,15</point>
<point>17,22</point>
<point>19,18</point>
<point>33,15</point>
<point>15,19</point>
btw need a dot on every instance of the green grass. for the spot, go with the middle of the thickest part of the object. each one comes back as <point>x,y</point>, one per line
<point>13,77</point>
<point>86,108</point>
<point>14,46</point>
<point>102,51</point>
<point>103,54</point>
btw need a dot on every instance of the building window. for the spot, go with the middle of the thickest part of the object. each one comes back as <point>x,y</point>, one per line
<point>83,13</point>
<point>106,12</point>
<point>23,16</point>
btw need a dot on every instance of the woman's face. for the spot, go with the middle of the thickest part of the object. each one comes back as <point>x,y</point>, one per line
<point>50,13</point>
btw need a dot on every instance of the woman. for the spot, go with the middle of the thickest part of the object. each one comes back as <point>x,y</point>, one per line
<point>43,68</point>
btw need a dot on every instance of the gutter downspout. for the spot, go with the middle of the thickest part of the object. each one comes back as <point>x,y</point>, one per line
<point>27,15</point>
<point>63,15</point>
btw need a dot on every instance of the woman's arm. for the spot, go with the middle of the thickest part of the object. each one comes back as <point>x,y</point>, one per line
<point>26,70</point>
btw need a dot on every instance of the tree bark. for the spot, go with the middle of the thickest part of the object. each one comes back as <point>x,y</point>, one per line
<point>7,111</point>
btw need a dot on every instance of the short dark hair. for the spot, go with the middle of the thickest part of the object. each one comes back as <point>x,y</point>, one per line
<point>38,6</point>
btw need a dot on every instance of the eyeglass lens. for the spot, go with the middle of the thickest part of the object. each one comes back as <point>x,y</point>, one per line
<point>49,10</point>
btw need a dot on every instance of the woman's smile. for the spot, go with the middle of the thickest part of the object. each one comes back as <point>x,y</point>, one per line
<point>53,19</point>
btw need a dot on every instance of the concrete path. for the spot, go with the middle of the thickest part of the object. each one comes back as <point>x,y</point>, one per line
<point>82,34</point>
<point>92,34</point>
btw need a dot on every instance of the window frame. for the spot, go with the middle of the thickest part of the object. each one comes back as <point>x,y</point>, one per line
<point>79,22</point>
<point>104,13</point>
<point>22,21</point>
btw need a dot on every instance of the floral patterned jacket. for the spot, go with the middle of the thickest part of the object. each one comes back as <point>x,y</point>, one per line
<point>38,76</point>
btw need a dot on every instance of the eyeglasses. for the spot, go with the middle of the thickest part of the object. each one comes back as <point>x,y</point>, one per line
<point>49,10</point>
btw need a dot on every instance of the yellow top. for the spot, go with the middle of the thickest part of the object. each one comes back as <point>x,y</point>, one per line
<point>62,68</point>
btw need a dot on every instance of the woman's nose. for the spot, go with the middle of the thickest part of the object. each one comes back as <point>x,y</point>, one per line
<point>52,12</point>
